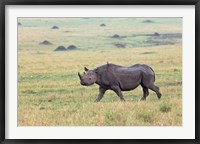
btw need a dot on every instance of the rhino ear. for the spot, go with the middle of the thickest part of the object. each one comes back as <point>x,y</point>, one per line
<point>86,69</point>
<point>96,70</point>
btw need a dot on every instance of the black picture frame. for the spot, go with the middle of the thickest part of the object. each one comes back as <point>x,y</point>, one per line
<point>3,4</point>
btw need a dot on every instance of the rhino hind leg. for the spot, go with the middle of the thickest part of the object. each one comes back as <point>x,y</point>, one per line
<point>148,82</point>
<point>145,93</point>
<point>156,90</point>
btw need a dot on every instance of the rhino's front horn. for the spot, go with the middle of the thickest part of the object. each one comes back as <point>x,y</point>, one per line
<point>79,75</point>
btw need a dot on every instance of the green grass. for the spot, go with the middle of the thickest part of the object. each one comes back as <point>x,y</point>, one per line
<point>49,90</point>
<point>86,33</point>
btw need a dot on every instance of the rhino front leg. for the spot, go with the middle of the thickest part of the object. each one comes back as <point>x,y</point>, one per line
<point>101,93</point>
<point>117,90</point>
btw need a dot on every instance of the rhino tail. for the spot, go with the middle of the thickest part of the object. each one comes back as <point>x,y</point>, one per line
<point>153,73</point>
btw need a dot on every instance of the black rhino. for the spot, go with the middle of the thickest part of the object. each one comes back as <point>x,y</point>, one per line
<point>119,78</point>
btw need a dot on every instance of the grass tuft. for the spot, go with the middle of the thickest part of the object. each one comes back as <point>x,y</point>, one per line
<point>145,117</point>
<point>165,108</point>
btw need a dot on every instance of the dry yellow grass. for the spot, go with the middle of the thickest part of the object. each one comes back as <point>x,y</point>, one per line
<point>72,104</point>
<point>49,92</point>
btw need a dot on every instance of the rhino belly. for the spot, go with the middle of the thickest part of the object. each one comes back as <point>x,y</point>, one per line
<point>129,83</point>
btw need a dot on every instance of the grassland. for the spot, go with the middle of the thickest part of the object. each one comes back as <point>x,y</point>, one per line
<point>49,91</point>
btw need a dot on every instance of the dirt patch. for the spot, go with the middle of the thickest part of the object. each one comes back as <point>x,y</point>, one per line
<point>148,53</point>
<point>161,36</point>
<point>45,42</point>
<point>60,48</point>
<point>67,31</point>
<point>71,47</point>
<point>174,84</point>
<point>177,70</point>
<point>120,45</point>
<point>147,21</point>
<point>157,39</point>
<point>153,42</point>
<point>102,25</point>
<point>156,34</point>
<point>55,27</point>
<point>115,36</point>
<point>171,36</point>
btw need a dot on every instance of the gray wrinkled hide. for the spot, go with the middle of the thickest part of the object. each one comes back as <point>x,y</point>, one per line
<point>120,78</point>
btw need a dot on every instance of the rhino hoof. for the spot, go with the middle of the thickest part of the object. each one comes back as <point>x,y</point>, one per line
<point>143,99</point>
<point>159,96</point>
<point>123,100</point>
<point>96,101</point>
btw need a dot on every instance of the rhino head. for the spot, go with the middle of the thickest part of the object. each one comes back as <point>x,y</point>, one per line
<point>88,78</point>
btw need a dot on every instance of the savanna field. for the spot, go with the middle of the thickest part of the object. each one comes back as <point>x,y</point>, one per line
<point>49,89</point>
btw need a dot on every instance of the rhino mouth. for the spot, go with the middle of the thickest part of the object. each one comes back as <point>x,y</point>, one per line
<point>85,84</point>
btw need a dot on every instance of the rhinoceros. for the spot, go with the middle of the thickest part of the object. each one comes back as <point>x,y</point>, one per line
<point>120,78</point>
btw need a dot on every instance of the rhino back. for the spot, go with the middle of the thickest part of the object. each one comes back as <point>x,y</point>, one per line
<point>127,78</point>
<point>106,76</point>
<point>143,67</point>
